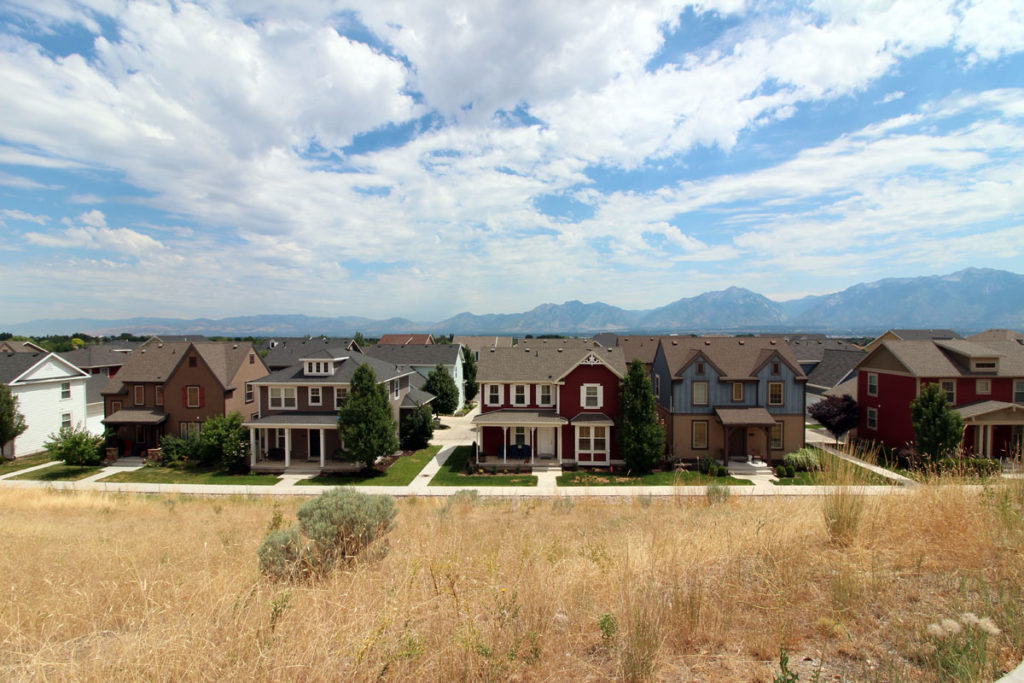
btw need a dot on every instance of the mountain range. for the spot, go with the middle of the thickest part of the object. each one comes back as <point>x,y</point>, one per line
<point>968,300</point>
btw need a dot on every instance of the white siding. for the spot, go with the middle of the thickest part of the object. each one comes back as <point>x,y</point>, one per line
<point>43,407</point>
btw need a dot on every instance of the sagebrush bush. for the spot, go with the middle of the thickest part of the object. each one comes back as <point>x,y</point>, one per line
<point>803,460</point>
<point>281,554</point>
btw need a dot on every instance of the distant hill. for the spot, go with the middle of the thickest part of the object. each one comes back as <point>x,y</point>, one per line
<point>967,301</point>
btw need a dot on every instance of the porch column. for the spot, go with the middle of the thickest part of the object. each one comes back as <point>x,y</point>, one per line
<point>323,446</point>
<point>558,444</point>
<point>988,441</point>
<point>533,440</point>
<point>288,448</point>
<point>504,442</point>
<point>252,447</point>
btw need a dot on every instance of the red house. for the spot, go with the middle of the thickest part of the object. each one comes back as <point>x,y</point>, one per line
<point>549,404</point>
<point>983,379</point>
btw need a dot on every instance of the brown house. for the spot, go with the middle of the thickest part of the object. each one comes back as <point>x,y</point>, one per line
<point>174,387</point>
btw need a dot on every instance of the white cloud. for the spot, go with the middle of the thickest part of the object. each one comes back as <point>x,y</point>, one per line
<point>91,232</point>
<point>18,215</point>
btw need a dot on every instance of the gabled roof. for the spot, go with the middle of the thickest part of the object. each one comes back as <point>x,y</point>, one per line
<point>982,408</point>
<point>12,346</point>
<point>155,362</point>
<point>641,346</point>
<point>810,350</point>
<point>544,364</point>
<point>926,358</point>
<point>94,387</point>
<point>416,354</point>
<point>910,335</point>
<point>406,339</point>
<point>481,342</point>
<point>735,358</point>
<point>997,335</point>
<point>607,339</point>
<point>101,355</point>
<point>284,351</point>
<point>13,367</point>
<point>835,365</point>
<point>343,371</point>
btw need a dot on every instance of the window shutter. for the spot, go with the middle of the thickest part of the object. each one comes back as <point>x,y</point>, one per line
<point>583,397</point>
<point>202,396</point>
<point>600,396</point>
<point>184,397</point>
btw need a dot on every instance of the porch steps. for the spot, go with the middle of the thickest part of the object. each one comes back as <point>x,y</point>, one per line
<point>540,467</point>
<point>748,469</point>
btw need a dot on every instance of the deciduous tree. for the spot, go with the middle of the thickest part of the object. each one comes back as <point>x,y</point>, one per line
<point>938,428</point>
<point>838,414</point>
<point>12,422</point>
<point>641,438</point>
<point>366,423</point>
<point>441,385</point>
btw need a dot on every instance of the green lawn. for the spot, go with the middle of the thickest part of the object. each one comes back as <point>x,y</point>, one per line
<point>191,474</point>
<point>587,478</point>
<point>836,471</point>
<point>451,473</point>
<point>401,473</point>
<point>8,466</point>
<point>59,473</point>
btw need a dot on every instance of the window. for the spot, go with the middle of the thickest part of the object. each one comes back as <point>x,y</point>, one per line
<point>340,393</point>
<point>158,395</point>
<point>519,436</point>
<point>985,365</point>
<point>776,368</point>
<point>583,440</point>
<point>192,362</point>
<point>949,386</point>
<point>252,359</point>
<point>65,390</point>
<point>519,395</point>
<point>983,386</point>
<point>591,440</point>
<point>65,421</point>
<point>188,429</point>
<point>1018,391</point>
<point>248,393</point>
<point>700,393</point>
<point>776,437</point>
<point>699,436</point>
<point>775,393</point>
<point>315,396</point>
<point>192,397</point>
<point>872,384</point>
<point>115,406</point>
<point>592,396</point>
<point>545,395</point>
<point>281,437</point>
<point>394,388</point>
<point>872,418</point>
<point>737,391</point>
<point>700,368</point>
<point>282,398</point>
<point>494,394</point>
<point>140,395</point>
<point>657,386</point>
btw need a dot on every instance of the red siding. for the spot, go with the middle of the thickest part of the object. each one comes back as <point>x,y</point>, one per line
<point>895,392</point>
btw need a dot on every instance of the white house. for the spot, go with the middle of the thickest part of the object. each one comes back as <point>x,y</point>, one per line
<point>50,392</point>
<point>423,358</point>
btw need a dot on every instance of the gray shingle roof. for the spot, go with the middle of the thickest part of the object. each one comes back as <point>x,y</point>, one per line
<point>12,365</point>
<point>641,346</point>
<point>815,349</point>
<point>926,358</point>
<point>481,342</point>
<point>285,351</point>
<point>383,370</point>
<point>416,354</point>
<point>545,364</point>
<point>834,366</point>
<point>154,362</point>
<point>101,355</point>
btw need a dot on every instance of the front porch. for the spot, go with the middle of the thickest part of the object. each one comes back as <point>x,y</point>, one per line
<point>297,443</point>
<point>138,430</point>
<point>518,437</point>
<point>994,429</point>
<point>741,429</point>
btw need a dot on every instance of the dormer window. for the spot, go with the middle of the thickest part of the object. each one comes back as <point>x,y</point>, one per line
<point>776,367</point>
<point>319,368</point>
<point>984,365</point>
<point>700,368</point>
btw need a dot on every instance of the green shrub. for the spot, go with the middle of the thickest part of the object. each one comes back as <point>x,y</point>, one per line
<point>707,465</point>
<point>75,446</point>
<point>803,460</point>
<point>333,527</point>
<point>225,442</point>
<point>781,472</point>
<point>790,471</point>
<point>417,429</point>
<point>179,449</point>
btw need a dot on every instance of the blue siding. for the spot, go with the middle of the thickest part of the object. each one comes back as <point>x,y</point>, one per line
<point>755,394</point>
<point>792,391</point>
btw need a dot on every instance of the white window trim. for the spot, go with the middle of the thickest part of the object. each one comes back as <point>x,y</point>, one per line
<point>395,388</point>
<point>319,393</point>
<point>693,393</point>
<point>983,386</point>
<point>282,398</point>
<point>340,394</point>
<point>526,395</point>
<point>65,420</point>
<point>1018,391</point>
<point>499,389</point>
<point>540,395</point>
<point>873,376</point>
<point>782,393</point>
<point>249,393</point>
<point>942,385</point>
<point>65,386</point>
<point>872,416</point>
<point>591,440</point>
<point>583,396</point>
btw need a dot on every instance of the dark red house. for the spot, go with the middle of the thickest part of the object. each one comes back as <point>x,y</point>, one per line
<point>983,379</point>
<point>546,403</point>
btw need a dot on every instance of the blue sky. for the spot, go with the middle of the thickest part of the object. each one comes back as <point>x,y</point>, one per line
<point>211,159</point>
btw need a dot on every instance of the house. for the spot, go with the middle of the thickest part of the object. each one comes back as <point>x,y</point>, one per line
<point>283,352</point>
<point>983,380</point>
<point>102,359</point>
<point>644,347</point>
<point>94,387</point>
<point>910,335</point>
<point>811,352</point>
<point>997,335</point>
<point>837,368</point>
<point>423,358</point>
<point>549,404</point>
<point>607,339</point>
<point>476,344</point>
<point>50,393</point>
<point>12,346</point>
<point>406,339</point>
<point>174,387</point>
<point>729,397</point>
<point>295,416</point>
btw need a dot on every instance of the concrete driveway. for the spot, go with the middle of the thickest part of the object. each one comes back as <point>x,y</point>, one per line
<point>460,430</point>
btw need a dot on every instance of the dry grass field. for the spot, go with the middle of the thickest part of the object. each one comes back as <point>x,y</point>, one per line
<point>125,587</point>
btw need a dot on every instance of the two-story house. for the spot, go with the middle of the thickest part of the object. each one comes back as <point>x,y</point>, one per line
<point>50,392</point>
<point>546,403</point>
<point>423,358</point>
<point>295,417</point>
<point>174,387</point>
<point>729,397</point>
<point>983,380</point>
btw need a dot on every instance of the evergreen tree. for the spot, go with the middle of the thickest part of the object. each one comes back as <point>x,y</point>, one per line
<point>359,339</point>
<point>441,385</point>
<point>469,372</point>
<point>838,414</point>
<point>417,429</point>
<point>937,427</point>
<point>366,423</point>
<point>641,438</point>
<point>12,422</point>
